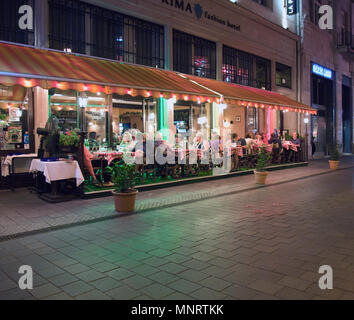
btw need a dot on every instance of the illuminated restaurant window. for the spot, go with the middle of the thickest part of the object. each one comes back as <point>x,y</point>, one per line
<point>246,69</point>
<point>91,117</point>
<point>283,75</point>
<point>88,29</point>
<point>252,120</point>
<point>194,55</point>
<point>15,124</point>
<point>63,105</point>
<point>9,24</point>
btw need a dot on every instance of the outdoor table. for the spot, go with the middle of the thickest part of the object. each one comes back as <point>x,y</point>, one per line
<point>58,170</point>
<point>288,145</point>
<point>110,156</point>
<point>7,166</point>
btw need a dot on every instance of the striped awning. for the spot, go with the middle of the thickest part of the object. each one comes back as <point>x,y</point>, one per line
<point>253,97</point>
<point>30,67</point>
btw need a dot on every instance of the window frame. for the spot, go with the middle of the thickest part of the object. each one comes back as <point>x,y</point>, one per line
<point>189,47</point>
<point>145,39</point>
<point>233,62</point>
<point>280,84</point>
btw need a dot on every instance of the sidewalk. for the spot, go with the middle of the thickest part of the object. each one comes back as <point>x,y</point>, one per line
<point>23,213</point>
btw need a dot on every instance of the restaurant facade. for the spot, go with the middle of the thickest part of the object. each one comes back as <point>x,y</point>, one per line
<point>108,66</point>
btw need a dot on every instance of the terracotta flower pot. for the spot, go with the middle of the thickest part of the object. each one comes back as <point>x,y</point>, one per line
<point>333,164</point>
<point>260,176</point>
<point>124,201</point>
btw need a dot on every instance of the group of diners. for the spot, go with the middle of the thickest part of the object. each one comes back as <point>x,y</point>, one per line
<point>138,144</point>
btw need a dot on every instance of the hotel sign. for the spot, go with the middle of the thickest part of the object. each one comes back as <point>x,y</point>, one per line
<point>322,71</point>
<point>291,7</point>
<point>199,12</point>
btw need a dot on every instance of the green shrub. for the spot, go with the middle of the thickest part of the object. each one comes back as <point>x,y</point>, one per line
<point>123,176</point>
<point>262,160</point>
<point>69,139</point>
<point>333,152</point>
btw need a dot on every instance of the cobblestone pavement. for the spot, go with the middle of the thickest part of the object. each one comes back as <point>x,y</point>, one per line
<point>266,243</point>
<point>22,212</point>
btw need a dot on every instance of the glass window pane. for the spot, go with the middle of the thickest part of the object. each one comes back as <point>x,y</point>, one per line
<point>14,125</point>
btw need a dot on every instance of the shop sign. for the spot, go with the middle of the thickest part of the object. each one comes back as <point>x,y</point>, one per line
<point>199,12</point>
<point>291,7</point>
<point>322,71</point>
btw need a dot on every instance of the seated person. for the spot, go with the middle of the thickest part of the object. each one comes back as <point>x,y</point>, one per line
<point>88,165</point>
<point>276,142</point>
<point>215,142</point>
<point>240,142</point>
<point>200,144</point>
<point>127,144</point>
<point>295,141</point>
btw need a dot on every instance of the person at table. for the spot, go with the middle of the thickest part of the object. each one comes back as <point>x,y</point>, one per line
<point>199,143</point>
<point>259,138</point>
<point>214,143</point>
<point>127,144</point>
<point>240,142</point>
<point>295,142</point>
<point>277,145</point>
<point>86,159</point>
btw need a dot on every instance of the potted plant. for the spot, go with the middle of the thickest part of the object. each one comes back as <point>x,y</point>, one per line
<point>262,162</point>
<point>69,142</point>
<point>123,177</point>
<point>334,157</point>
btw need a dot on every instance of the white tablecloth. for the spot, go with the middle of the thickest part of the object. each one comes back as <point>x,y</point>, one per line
<point>5,165</point>
<point>58,170</point>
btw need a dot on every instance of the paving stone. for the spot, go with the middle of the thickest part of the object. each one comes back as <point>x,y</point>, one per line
<point>163,277</point>
<point>120,274</point>
<point>157,291</point>
<point>104,266</point>
<point>239,292</point>
<point>184,286</point>
<point>266,287</point>
<point>106,284</point>
<point>137,282</point>
<point>193,275</point>
<point>59,296</point>
<point>7,284</point>
<point>207,294</point>
<point>123,293</point>
<point>45,290</point>
<point>93,295</point>
<point>173,268</point>
<point>76,268</point>
<point>63,279</point>
<point>215,283</point>
<point>76,288</point>
<point>294,283</point>
<point>89,276</point>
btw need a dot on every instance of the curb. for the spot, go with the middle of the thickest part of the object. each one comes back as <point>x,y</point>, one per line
<point>119,215</point>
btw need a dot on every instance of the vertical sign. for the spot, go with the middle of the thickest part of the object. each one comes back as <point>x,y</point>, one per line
<point>291,7</point>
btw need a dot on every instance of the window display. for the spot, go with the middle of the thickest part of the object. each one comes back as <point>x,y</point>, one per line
<point>14,130</point>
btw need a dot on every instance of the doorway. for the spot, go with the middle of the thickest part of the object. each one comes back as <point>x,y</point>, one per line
<point>347,119</point>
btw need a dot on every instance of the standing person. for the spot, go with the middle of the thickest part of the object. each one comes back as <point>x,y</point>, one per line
<point>313,146</point>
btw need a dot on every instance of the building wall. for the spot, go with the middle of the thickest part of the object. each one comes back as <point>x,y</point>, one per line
<point>261,31</point>
<point>320,46</point>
